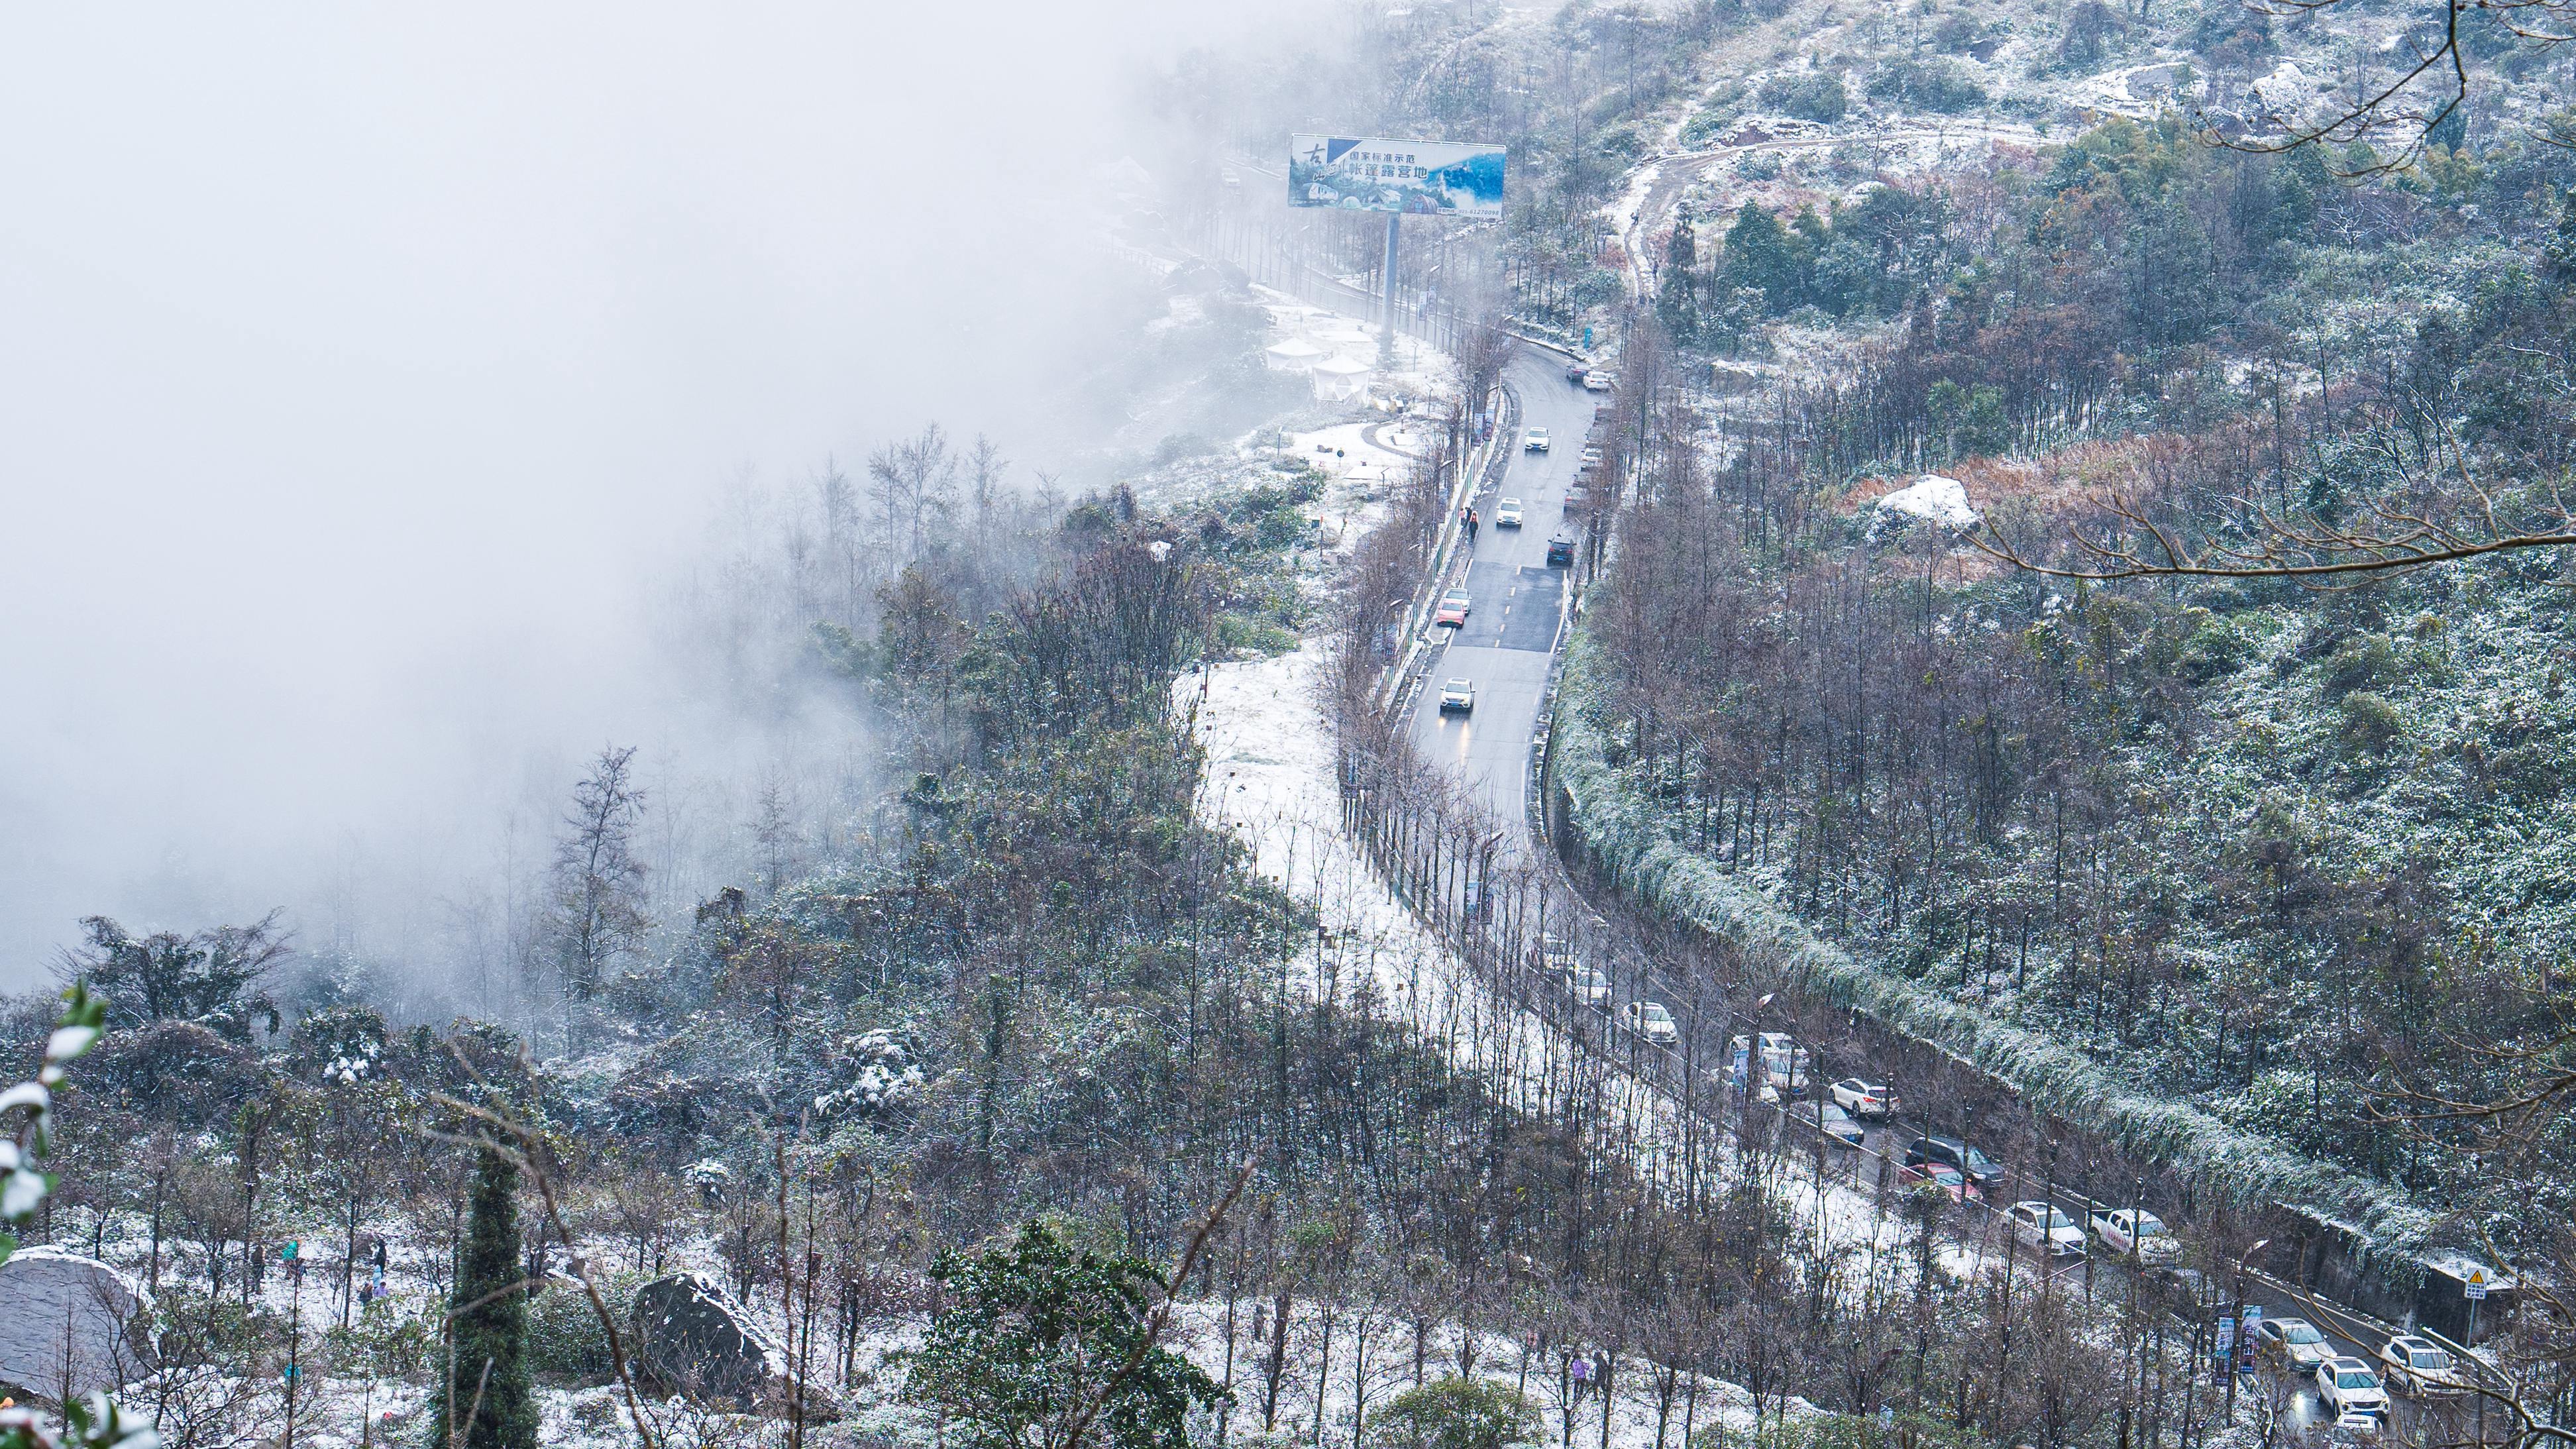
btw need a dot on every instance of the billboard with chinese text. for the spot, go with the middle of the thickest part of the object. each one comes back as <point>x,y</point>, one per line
<point>1373,173</point>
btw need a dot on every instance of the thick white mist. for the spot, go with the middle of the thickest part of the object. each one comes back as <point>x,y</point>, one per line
<point>360,367</point>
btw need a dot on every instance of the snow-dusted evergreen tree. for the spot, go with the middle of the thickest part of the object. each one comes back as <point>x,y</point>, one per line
<point>485,1402</point>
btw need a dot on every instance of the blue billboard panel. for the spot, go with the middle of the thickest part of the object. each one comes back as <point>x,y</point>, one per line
<point>1377,173</point>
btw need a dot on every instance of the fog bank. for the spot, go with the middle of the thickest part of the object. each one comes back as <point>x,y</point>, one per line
<point>367,374</point>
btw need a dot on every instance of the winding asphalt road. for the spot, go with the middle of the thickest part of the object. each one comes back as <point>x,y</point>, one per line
<point>1518,604</point>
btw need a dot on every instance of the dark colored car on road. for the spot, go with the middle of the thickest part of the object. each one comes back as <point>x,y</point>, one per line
<point>1980,1169</point>
<point>1560,552</point>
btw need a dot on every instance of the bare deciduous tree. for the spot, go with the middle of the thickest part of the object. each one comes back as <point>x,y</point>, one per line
<point>913,482</point>
<point>598,916</point>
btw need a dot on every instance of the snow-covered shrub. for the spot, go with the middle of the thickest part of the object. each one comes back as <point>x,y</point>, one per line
<point>1812,96</point>
<point>2214,649</point>
<point>1456,1413</point>
<point>565,1339</point>
<point>1931,83</point>
<point>880,1077</point>
<point>393,1336</point>
<point>2370,724</point>
<point>340,1046</point>
<point>2364,661</point>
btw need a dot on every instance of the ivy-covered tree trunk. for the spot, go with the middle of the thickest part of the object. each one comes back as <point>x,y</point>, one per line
<point>486,1403</point>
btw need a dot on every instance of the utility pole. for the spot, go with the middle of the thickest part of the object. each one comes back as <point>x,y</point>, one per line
<point>294,1338</point>
<point>2476,1289</point>
<point>1393,230</point>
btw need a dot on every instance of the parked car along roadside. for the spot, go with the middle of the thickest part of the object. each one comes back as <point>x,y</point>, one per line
<point>2346,1385</point>
<point>1836,1123</point>
<point>1980,1169</point>
<point>1941,1175</point>
<point>1588,986</point>
<point>1649,1020</point>
<point>2421,1368</point>
<point>1864,1098</point>
<point>2136,1233</point>
<point>2292,1343</point>
<point>1775,1056</point>
<point>2043,1226</point>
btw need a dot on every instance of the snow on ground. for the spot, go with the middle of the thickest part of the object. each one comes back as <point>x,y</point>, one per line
<point>1220,1339</point>
<point>1623,213</point>
<point>342,1413</point>
<point>1303,335</point>
<point>1541,1377</point>
<point>1347,452</point>
<point>1270,781</point>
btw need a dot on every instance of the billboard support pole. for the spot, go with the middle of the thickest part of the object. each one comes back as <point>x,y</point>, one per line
<point>1392,218</point>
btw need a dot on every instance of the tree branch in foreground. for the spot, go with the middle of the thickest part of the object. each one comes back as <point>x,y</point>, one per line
<point>2407,109</point>
<point>2387,537</point>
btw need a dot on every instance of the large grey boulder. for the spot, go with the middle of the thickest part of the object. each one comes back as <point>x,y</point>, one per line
<point>71,1324</point>
<point>693,1337</point>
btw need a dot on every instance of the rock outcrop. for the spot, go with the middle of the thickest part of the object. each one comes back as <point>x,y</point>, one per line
<point>691,1336</point>
<point>72,1323</point>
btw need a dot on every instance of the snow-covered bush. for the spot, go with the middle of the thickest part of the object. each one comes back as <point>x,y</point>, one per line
<point>341,1046</point>
<point>565,1339</point>
<point>1457,1413</point>
<point>1810,96</point>
<point>881,1077</point>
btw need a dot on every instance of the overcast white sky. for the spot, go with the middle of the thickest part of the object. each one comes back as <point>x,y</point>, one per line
<point>355,361</point>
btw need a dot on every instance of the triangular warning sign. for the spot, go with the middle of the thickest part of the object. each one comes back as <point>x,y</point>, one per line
<point>2478,1276</point>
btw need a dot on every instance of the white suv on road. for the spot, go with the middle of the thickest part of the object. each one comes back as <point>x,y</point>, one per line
<point>1649,1020</point>
<point>2349,1387</point>
<point>2424,1369</point>
<point>1588,986</point>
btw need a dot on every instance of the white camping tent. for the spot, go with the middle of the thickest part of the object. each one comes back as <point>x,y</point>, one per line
<point>1293,355</point>
<point>1340,377</point>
